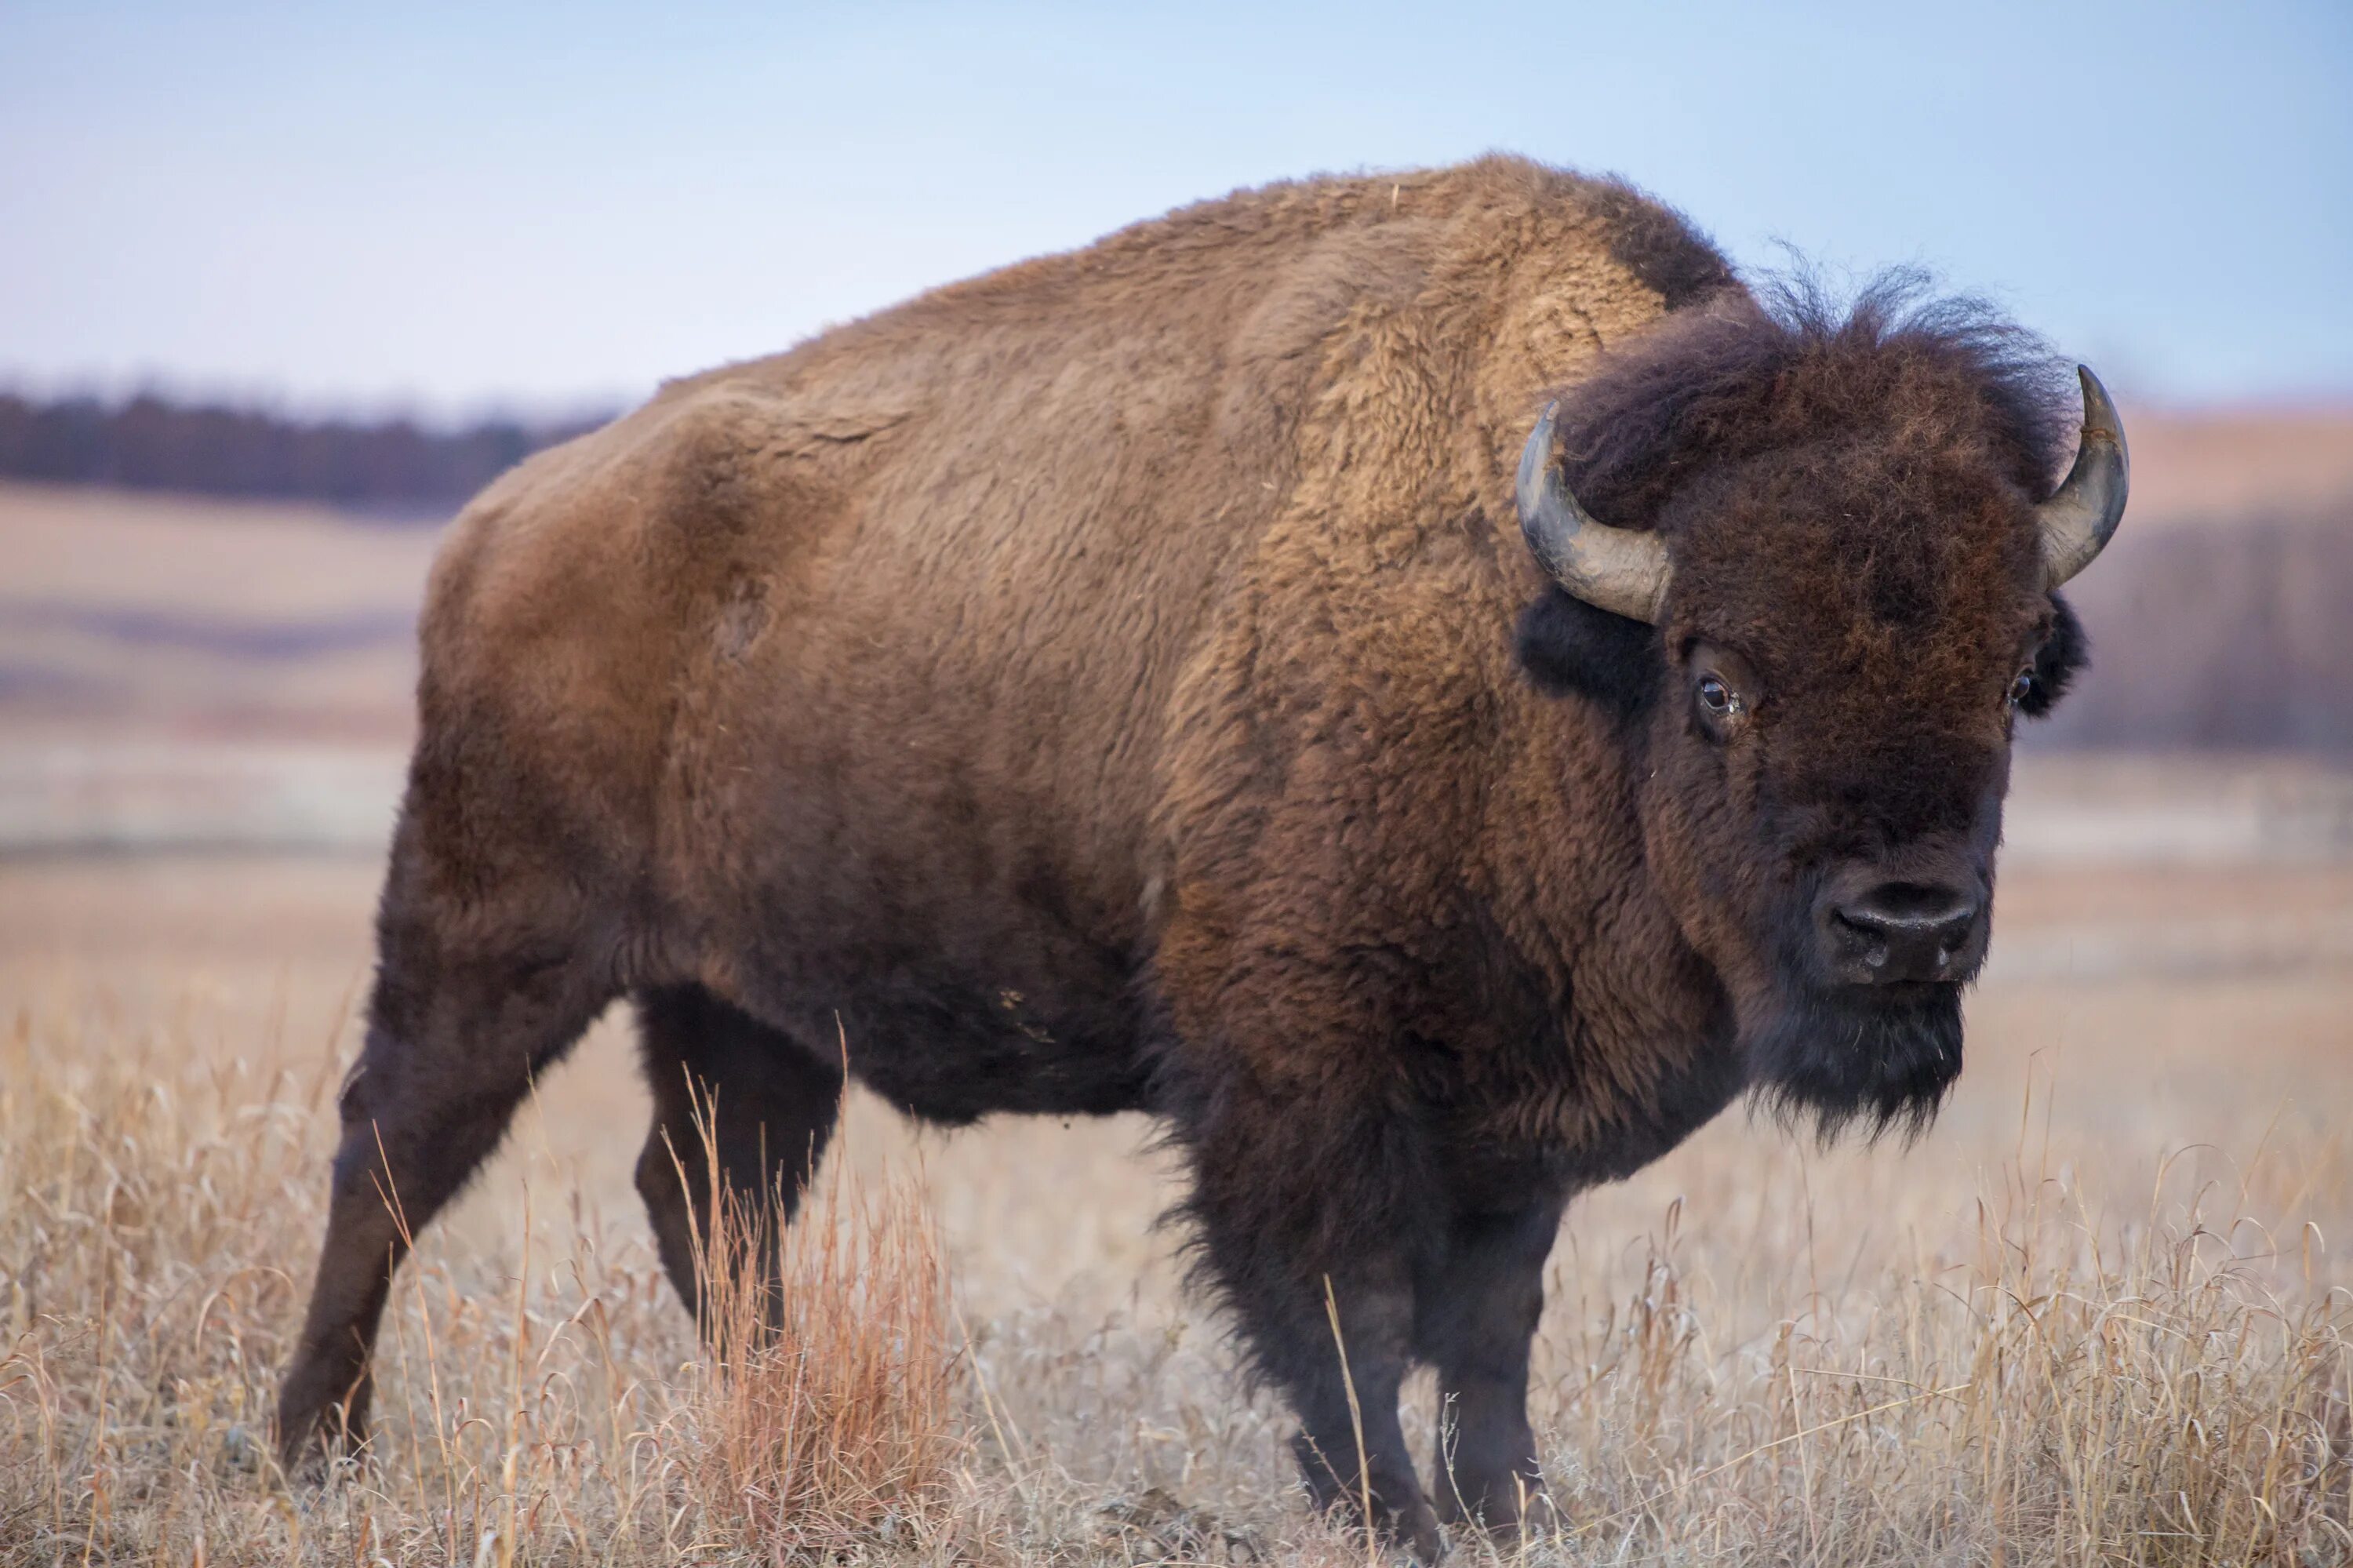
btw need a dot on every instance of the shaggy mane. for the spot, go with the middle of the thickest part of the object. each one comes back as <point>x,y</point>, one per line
<point>1743,373</point>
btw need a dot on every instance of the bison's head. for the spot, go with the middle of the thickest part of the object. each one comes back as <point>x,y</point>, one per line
<point>1824,595</point>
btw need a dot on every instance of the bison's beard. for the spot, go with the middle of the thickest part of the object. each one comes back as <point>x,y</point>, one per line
<point>1884,1062</point>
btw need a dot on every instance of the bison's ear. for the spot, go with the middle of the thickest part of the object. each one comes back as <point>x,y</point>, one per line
<point>1569,648</point>
<point>2063,653</point>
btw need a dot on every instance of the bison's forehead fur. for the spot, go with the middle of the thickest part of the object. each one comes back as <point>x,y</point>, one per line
<point>1786,371</point>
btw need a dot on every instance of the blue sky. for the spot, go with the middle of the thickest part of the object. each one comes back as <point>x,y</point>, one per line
<point>451,207</point>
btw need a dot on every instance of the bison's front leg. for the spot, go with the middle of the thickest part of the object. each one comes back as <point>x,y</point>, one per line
<point>1478,1312</point>
<point>1312,1218</point>
<point>1344,1384</point>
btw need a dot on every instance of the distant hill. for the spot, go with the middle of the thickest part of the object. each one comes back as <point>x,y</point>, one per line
<point>151,443</point>
<point>2221,618</point>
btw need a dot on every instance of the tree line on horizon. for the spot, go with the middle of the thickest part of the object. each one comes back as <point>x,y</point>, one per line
<point>150,441</point>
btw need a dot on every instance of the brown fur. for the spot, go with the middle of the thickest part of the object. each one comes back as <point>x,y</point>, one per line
<point>1095,684</point>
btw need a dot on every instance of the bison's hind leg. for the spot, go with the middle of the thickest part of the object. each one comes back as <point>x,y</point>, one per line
<point>474,995</point>
<point>734,1094</point>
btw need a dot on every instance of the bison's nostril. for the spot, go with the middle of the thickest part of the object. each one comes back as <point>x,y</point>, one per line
<point>1905,931</point>
<point>1864,934</point>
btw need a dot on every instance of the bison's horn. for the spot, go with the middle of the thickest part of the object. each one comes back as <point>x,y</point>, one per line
<point>2090,502</point>
<point>1621,570</point>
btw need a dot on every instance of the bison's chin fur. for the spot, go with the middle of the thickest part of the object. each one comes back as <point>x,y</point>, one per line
<point>1855,1060</point>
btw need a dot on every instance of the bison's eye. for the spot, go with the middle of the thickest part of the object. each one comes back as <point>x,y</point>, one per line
<point>2021,688</point>
<point>1723,690</point>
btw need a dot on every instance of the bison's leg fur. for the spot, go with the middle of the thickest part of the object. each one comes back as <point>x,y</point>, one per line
<point>726,1088</point>
<point>1342,1381</point>
<point>453,1042</point>
<point>1311,1219</point>
<point>419,1117</point>
<point>1475,1318</point>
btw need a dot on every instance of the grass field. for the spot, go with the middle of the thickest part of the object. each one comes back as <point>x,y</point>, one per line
<point>2100,1314</point>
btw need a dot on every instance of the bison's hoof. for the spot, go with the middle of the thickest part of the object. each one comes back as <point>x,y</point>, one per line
<point>311,1448</point>
<point>1415,1528</point>
<point>1506,1507</point>
<point>1401,1516</point>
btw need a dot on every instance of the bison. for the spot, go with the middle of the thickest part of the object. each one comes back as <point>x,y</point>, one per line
<point>1428,685</point>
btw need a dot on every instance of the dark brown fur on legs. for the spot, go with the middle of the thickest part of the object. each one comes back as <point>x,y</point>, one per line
<point>725,1084</point>
<point>1313,1209</point>
<point>1350,1450</point>
<point>1475,1316</point>
<point>464,1013</point>
<point>1358,1214</point>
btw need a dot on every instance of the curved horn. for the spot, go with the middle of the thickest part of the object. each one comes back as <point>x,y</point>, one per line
<point>2078,520</point>
<point>1621,570</point>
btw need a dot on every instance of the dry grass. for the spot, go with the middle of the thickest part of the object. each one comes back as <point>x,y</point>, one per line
<point>2096,1317</point>
<point>2065,1391</point>
<point>154,1216</point>
<point>823,1412</point>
